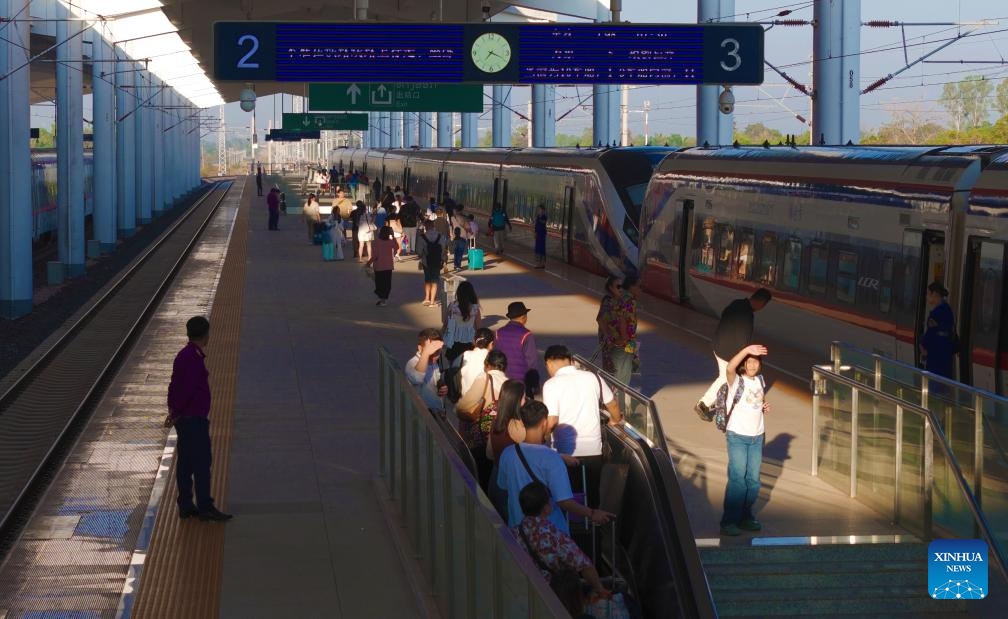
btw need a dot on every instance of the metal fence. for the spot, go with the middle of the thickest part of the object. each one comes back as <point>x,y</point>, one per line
<point>474,566</point>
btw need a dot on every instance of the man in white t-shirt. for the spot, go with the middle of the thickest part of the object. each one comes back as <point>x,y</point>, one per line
<point>572,397</point>
<point>422,370</point>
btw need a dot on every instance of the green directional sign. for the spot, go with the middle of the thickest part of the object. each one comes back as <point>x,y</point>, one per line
<point>395,97</point>
<point>327,122</point>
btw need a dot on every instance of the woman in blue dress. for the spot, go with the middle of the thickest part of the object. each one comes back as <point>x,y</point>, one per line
<point>938,344</point>
<point>540,238</point>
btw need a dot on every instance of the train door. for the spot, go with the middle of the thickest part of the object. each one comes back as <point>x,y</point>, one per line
<point>567,228</point>
<point>407,178</point>
<point>981,321</point>
<point>683,241</point>
<point>928,246</point>
<point>504,194</point>
<point>496,191</point>
<point>442,186</point>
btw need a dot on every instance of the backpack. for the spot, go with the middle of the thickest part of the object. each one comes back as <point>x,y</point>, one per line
<point>408,216</point>
<point>498,220</point>
<point>721,411</point>
<point>432,255</point>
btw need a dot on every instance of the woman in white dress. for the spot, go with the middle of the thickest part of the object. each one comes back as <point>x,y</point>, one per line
<point>365,232</point>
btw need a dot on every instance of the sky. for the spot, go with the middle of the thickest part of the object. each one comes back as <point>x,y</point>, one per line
<point>775,103</point>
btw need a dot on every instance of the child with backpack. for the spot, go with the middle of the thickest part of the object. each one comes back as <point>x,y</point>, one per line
<point>460,247</point>
<point>738,412</point>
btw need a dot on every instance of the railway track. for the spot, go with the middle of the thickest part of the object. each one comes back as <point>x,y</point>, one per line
<point>42,413</point>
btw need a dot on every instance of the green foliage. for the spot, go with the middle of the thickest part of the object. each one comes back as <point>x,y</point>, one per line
<point>757,134</point>
<point>46,138</point>
<point>1001,98</point>
<point>967,101</point>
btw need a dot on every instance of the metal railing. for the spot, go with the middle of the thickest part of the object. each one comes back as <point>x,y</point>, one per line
<point>473,566</point>
<point>638,410</point>
<point>866,444</point>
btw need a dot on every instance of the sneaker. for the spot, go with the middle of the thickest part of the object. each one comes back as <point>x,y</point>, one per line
<point>751,525</point>
<point>703,412</point>
<point>381,303</point>
<point>731,530</point>
<point>187,511</point>
<point>215,515</point>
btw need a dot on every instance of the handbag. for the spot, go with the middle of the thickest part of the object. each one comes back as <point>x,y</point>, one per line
<point>476,412</point>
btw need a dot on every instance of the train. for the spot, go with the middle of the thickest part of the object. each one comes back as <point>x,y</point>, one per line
<point>592,196</point>
<point>847,238</point>
<point>44,205</point>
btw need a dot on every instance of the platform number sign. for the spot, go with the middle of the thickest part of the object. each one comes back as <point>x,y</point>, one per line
<point>489,53</point>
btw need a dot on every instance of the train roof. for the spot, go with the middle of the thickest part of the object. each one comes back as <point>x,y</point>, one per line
<point>491,154</point>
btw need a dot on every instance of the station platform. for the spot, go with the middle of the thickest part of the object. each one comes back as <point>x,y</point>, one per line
<point>293,359</point>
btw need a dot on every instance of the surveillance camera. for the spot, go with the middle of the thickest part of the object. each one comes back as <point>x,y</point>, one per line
<point>247,99</point>
<point>486,10</point>
<point>726,101</point>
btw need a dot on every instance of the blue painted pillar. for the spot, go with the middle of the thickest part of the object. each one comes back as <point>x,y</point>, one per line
<point>156,122</point>
<point>713,127</point>
<point>445,129</point>
<point>606,97</point>
<point>836,72</point>
<point>424,137</point>
<point>543,115</point>
<point>125,148</point>
<point>501,115</point>
<point>369,136</point>
<point>70,147</point>
<point>143,146</point>
<point>396,132</point>
<point>15,163</point>
<point>103,154</point>
<point>470,133</point>
<point>411,129</point>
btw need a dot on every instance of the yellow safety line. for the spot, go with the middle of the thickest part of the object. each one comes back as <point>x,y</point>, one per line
<point>183,570</point>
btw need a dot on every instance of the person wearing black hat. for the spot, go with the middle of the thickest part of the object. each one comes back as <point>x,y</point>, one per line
<point>518,345</point>
<point>939,342</point>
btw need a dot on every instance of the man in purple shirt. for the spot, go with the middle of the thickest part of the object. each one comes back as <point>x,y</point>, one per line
<point>189,408</point>
<point>519,346</point>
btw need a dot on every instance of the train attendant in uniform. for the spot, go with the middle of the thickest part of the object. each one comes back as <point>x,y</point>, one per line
<point>938,345</point>
<point>189,412</point>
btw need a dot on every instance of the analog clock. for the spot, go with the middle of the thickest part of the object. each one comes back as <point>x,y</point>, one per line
<point>491,52</point>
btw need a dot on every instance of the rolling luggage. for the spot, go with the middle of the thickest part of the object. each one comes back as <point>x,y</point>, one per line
<point>475,259</point>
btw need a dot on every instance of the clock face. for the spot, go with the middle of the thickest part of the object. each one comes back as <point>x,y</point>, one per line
<point>491,52</point>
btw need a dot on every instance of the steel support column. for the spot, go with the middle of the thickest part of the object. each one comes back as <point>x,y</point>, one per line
<point>836,73</point>
<point>424,137</point>
<point>125,147</point>
<point>543,115</point>
<point>103,153</point>
<point>156,121</point>
<point>15,163</point>
<point>70,146</point>
<point>143,147</point>
<point>605,97</point>
<point>713,127</point>
<point>396,132</point>
<point>470,132</point>
<point>501,115</point>
<point>445,129</point>
<point>410,129</point>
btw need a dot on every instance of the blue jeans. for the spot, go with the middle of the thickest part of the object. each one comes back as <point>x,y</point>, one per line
<point>745,454</point>
<point>622,364</point>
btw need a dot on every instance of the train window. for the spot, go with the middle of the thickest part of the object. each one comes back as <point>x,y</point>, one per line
<point>725,241</point>
<point>703,248</point>
<point>818,269</point>
<point>766,256</point>
<point>885,285</point>
<point>744,255</point>
<point>791,277</point>
<point>846,277</point>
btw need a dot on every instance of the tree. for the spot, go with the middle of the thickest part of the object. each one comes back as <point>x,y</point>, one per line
<point>966,101</point>
<point>757,134</point>
<point>909,125</point>
<point>1001,98</point>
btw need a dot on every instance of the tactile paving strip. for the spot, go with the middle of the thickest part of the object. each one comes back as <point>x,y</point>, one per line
<point>73,557</point>
<point>183,572</point>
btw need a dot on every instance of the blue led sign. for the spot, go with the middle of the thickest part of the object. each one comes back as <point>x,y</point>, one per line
<point>488,53</point>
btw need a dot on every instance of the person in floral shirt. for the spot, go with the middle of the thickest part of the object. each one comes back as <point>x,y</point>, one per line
<point>607,320</point>
<point>550,548</point>
<point>617,320</point>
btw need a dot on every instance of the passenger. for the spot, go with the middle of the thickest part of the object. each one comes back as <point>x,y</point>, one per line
<point>538,462</point>
<point>472,360</point>
<point>397,230</point>
<point>477,408</point>
<point>572,397</point>
<point>744,437</point>
<point>473,227</point>
<point>382,261</point>
<point>259,180</point>
<point>540,238</point>
<point>734,332</point>
<point>380,216</point>
<point>273,205</point>
<point>624,353</point>
<point>607,320</point>
<point>463,319</point>
<point>506,430</point>
<point>189,412</point>
<point>498,221</point>
<point>355,217</point>
<point>460,220</point>
<point>376,189</point>
<point>409,215</point>
<point>312,216</point>
<point>430,250</point>
<point>343,203</point>
<point>365,232</point>
<point>422,370</point>
<point>334,226</point>
<point>459,248</point>
<point>552,550</point>
<point>939,342</point>
<point>518,343</point>
<point>448,204</point>
<point>441,225</point>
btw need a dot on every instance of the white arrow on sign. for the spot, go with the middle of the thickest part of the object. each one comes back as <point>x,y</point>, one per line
<point>306,121</point>
<point>354,91</point>
<point>382,100</point>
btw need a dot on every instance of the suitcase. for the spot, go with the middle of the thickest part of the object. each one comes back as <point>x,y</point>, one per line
<point>475,259</point>
<point>328,251</point>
